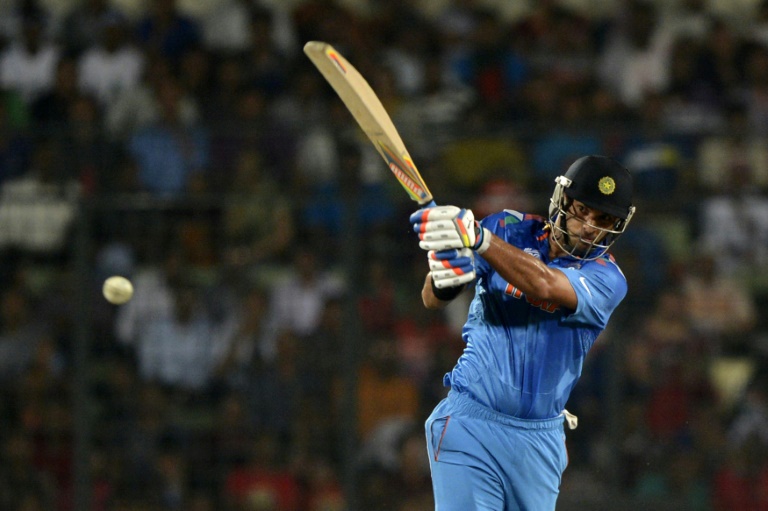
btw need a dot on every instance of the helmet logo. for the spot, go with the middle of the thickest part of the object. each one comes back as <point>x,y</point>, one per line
<point>606,185</point>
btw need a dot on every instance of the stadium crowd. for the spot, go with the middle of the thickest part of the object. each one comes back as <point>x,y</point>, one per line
<point>216,169</point>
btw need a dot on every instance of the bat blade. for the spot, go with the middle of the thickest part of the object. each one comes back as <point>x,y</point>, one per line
<point>371,116</point>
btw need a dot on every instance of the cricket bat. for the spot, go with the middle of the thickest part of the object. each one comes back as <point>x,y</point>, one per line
<point>370,115</point>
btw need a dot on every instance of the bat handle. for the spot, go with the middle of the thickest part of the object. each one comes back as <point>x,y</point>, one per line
<point>430,204</point>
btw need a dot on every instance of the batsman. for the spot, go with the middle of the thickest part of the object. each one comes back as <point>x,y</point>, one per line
<point>544,290</point>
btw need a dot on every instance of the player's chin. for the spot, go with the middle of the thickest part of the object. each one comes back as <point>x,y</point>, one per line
<point>583,248</point>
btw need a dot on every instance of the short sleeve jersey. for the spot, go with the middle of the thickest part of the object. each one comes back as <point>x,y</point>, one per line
<point>523,356</point>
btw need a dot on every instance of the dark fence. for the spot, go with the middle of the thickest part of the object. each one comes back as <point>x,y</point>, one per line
<point>276,355</point>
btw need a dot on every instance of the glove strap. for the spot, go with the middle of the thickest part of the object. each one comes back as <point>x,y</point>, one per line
<point>446,294</point>
<point>483,239</point>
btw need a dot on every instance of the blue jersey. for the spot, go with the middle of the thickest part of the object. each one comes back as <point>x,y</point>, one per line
<point>523,356</point>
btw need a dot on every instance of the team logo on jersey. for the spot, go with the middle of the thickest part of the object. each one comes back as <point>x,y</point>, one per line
<point>606,185</point>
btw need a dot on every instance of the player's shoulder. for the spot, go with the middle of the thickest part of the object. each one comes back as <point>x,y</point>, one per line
<point>606,263</point>
<point>509,217</point>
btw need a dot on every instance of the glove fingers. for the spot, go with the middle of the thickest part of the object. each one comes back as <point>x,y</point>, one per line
<point>439,225</point>
<point>461,263</point>
<point>442,234</point>
<point>452,280</point>
<point>441,244</point>
<point>454,271</point>
<point>443,255</point>
<point>435,213</point>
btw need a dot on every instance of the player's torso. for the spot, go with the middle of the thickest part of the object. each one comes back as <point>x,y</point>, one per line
<point>521,358</point>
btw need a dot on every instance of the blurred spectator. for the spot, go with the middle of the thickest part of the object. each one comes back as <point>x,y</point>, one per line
<point>746,427</point>
<point>164,30</point>
<point>28,64</point>
<point>384,391</point>
<point>54,453</point>
<point>434,113</point>
<point>196,74</point>
<point>231,435</point>
<point>755,88</point>
<point>303,103</point>
<point>758,28</point>
<point>37,208</point>
<point>87,153</point>
<point>687,19</point>
<point>263,483</point>
<point>734,223</point>
<point>493,67</point>
<point>180,351</point>
<point>377,303</point>
<point>168,478</point>
<point>733,151</point>
<point>691,107</point>
<point>719,67</point>
<point>659,161</point>
<point>24,340</point>
<point>139,107</point>
<point>324,491</point>
<point>720,307</point>
<point>676,481</point>
<point>265,64</point>
<point>330,203</point>
<point>153,295</point>
<point>553,150</point>
<point>498,194</point>
<point>21,483</point>
<point>112,64</point>
<point>258,223</point>
<point>252,128</point>
<point>85,23</point>
<point>275,392</point>
<point>17,113</point>
<point>741,483</point>
<point>297,300</point>
<point>15,145</point>
<point>226,29</point>
<point>152,430</point>
<point>50,110</point>
<point>634,60</point>
<point>172,156</point>
<point>240,338</point>
<point>562,44</point>
<point>320,359</point>
<point>408,53</point>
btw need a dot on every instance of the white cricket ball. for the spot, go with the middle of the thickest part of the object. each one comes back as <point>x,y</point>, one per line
<point>117,290</point>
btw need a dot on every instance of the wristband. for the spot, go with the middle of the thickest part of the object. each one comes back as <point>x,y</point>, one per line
<point>447,293</point>
<point>483,239</point>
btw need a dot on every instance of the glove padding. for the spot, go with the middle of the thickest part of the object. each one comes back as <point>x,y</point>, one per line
<point>452,267</point>
<point>447,227</point>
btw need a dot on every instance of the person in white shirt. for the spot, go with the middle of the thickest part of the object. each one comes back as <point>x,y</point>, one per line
<point>113,66</point>
<point>28,64</point>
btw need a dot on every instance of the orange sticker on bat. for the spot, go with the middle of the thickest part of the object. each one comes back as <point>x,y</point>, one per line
<point>335,58</point>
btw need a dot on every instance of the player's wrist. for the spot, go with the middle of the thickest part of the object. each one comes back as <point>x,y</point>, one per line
<point>446,294</point>
<point>482,239</point>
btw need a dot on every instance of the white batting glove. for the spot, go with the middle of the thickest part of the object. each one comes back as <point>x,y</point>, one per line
<point>452,267</point>
<point>446,227</point>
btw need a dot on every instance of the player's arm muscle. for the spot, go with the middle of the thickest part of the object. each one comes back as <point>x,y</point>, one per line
<point>529,274</point>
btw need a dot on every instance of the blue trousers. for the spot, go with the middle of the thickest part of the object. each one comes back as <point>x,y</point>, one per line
<point>482,460</point>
